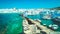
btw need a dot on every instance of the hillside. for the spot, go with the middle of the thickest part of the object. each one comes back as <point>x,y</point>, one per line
<point>57,8</point>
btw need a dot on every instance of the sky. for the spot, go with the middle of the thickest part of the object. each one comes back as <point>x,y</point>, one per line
<point>29,3</point>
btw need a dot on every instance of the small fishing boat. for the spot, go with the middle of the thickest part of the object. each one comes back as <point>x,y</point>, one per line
<point>56,20</point>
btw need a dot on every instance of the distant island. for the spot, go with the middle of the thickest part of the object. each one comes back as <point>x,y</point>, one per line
<point>56,8</point>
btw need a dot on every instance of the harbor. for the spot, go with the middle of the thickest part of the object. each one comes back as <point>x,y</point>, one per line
<point>35,27</point>
<point>30,21</point>
<point>29,16</point>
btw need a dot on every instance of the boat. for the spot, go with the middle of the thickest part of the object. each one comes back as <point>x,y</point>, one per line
<point>46,17</point>
<point>56,20</point>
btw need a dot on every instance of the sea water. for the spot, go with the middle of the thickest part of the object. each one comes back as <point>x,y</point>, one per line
<point>10,23</point>
<point>43,21</point>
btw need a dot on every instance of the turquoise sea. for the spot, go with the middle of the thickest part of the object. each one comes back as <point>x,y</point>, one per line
<point>11,23</point>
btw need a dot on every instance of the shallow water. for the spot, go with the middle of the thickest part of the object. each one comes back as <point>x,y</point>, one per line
<point>11,23</point>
